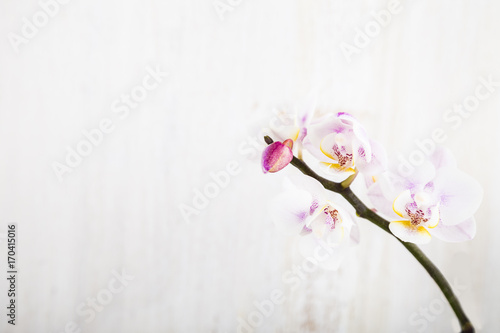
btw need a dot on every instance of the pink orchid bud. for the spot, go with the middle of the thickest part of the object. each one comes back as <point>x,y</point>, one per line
<point>277,155</point>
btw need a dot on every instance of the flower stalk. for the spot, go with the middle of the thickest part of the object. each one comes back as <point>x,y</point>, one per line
<point>364,212</point>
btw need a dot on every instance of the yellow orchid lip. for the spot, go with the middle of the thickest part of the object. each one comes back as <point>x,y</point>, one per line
<point>395,210</point>
<point>338,167</point>
<point>404,229</point>
<point>325,152</point>
<point>400,202</point>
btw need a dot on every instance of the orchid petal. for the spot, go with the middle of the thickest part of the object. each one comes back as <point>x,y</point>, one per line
<point>376,166</point>
<point>408,233</point>
<point>334,172</point>
<point>297,181</point>
<point>399,205</point>
<point>379,198</point>
<point>315,151</point>
<point>460,195</point>
<point>464,231</point>
<point>443,157</point>
<point>284,126</point>
<point>318,252</point>
<point>326,145</point>
<point>306,112</point>
<point>434,219</point>
<point>329,125</point>
<point>422,175</point>
<point>338,168</point>
<point>362,136</point>
<point>290,210</point>
<point>354,235</point>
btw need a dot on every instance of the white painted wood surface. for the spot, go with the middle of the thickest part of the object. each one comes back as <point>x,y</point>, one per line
<point>119,209</point>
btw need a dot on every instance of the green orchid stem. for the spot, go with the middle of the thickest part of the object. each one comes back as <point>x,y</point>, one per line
<point>364,212</point>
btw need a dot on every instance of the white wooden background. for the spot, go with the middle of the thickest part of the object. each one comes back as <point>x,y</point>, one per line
<point>120,208</point>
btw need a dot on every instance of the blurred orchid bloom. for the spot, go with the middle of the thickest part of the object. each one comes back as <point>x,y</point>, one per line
<point>342,146</point>
<point>437,199</point>
<point>323,225</point>
<point>294,124</point>
<point>277,155</point>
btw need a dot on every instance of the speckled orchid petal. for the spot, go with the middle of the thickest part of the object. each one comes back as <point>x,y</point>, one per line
<point>277,155</point>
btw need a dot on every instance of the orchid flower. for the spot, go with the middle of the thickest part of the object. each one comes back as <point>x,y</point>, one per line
<point>294,124</point>
<point>437,199</point>
<point>306,210</point>
<point>343,148</point>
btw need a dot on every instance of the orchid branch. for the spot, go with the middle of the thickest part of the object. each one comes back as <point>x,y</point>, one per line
<point>364,212</point>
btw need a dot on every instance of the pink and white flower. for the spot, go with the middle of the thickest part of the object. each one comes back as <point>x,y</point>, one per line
<point>293,125</point>
<point>324,225</point>
<point>436,200</point>
<point>342,146</point>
